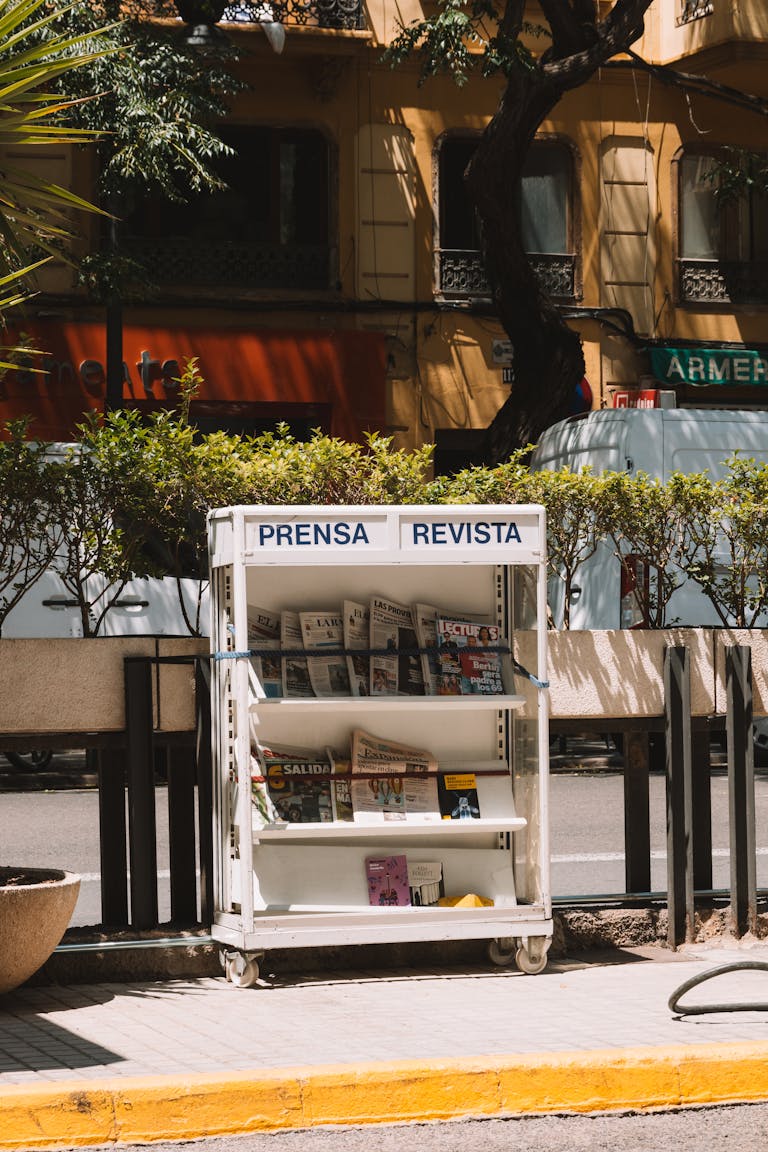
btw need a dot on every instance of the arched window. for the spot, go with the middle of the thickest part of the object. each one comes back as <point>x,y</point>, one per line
<point>722,240</point>
<point>270,227</point>
<point>546,219</point>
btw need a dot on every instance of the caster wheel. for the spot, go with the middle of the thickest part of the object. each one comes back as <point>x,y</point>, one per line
<point>502,952</point>
<point>241,971</point>
<point>531,965</point>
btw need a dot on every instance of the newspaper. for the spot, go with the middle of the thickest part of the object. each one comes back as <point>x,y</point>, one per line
<point>388,798</point>
<point>371,754</point>
<point>328,675</point>
<point>466,668</point>
<point>394,781</point>
<point>264,633</point>
<point>425,624</point>
<point>342,797</point>
<point>298,783</point>
<point>295,672</point>
<point>392,631</point>
<point>357,626</point>
<point>260,798</point>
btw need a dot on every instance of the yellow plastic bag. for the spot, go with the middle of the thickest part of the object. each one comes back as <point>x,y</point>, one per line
<point>468,901</point>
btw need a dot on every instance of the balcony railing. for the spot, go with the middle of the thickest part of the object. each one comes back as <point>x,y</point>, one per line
<point>694,10</point>
<point>227,264</point>
<point>346,15</point>
<point>461,274</point>
<point>343,14</point>
<point>723,281</point>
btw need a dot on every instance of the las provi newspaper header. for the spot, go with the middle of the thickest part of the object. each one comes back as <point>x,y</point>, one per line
<point>415,533</point>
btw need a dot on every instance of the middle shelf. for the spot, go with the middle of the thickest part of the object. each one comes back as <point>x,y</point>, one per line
<point>389,829</point>
<point>312,704</point>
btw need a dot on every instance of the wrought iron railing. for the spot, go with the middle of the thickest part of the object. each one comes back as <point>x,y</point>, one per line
<point>343,14</point>
<point>723,281</point>
<point>693,10</point>
<point>461,274</point>
<point>232,265</point>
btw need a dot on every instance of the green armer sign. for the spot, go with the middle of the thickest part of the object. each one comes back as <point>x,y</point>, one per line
<point>709,365</point>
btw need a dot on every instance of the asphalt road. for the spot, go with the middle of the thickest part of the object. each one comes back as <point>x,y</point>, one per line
<point>737,1128</point>
<point>59,829</point>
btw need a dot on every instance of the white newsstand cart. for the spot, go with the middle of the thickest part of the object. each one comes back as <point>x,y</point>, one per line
<point>299,885</point>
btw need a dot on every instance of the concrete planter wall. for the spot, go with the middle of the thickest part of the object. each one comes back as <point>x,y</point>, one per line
<point>73,685</point>
<point>76,685</point>
<point>596,675</point>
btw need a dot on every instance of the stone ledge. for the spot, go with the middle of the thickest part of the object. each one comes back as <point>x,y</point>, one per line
<point>576,931</point>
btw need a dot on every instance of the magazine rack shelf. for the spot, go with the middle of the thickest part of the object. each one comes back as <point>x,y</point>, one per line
<point>328,834</point>
<point>309,884</point>
<point>359,704</point>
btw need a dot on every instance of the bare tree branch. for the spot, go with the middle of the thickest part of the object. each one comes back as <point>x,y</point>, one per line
<point>691,82</point>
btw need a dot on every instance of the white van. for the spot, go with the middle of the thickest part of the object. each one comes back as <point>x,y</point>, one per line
<point>658,441</point>
<point>146,606</point>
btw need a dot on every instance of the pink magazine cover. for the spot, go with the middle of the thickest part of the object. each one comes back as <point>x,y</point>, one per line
<point>388,881</point>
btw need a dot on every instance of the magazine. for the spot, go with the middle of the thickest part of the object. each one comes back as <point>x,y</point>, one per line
<point>425,622</point>
<point>466,668</point>
<point>357,632</point>
<point>457,792</point>
<point>387,878</point>
<point>296,680</point>
<point>328,675</point>
<point>425,880</point>
<point>264,633</point>
<point>397,670</point>
<point>299,784</point>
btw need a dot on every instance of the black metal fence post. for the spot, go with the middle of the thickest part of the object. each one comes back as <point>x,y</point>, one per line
<point>204,757</point>
<point>140,760</point>
<point>702,810</point>
<point>741,788</point>
<point>181,834</point>
<point>112,836</point>
<point>637,835</point>
<point>677,707</point>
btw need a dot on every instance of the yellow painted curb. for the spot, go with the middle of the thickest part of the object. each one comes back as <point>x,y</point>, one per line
<point>121,1111</point>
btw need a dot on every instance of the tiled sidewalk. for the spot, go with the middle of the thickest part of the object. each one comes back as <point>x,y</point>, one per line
<point>95,1032</point>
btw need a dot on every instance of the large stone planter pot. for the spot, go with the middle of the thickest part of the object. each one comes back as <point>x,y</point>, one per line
<point>36,905</point>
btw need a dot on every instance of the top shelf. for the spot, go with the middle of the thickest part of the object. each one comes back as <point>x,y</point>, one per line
<point>386,703</point>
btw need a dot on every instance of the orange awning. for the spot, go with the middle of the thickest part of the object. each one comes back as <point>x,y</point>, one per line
<point>343,371</point>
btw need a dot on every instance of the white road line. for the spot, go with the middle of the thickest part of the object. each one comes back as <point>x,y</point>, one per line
<point>610,857</point>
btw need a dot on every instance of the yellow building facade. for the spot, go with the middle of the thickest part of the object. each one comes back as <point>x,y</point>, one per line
<point>338,284</point>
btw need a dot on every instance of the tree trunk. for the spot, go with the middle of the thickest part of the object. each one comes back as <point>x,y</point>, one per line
<point>549,362</point>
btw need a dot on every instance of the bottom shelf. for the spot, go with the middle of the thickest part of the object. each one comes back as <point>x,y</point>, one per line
<point>324,927</point>
<point>287,877</point>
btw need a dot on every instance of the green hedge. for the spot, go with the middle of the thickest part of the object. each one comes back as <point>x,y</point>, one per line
<point>132,501</point>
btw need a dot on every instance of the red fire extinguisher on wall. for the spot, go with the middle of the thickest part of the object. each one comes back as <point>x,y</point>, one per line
<point>633,611</point>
